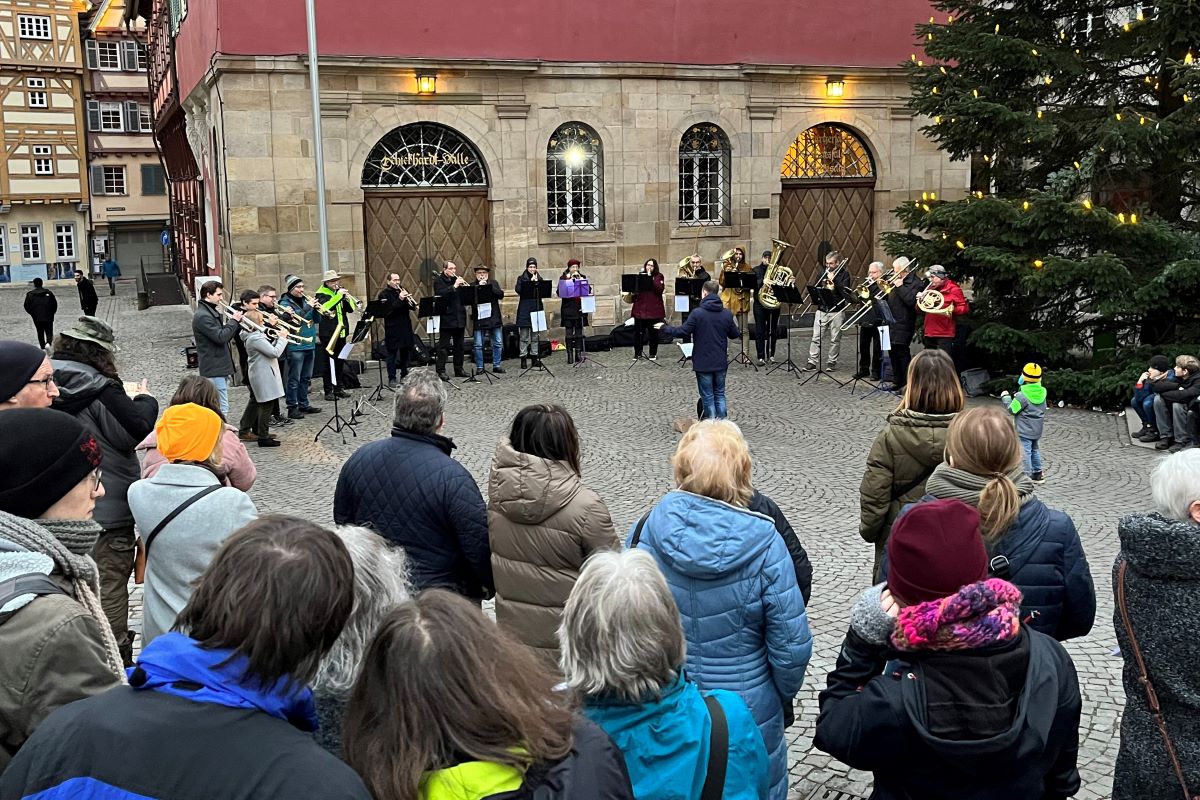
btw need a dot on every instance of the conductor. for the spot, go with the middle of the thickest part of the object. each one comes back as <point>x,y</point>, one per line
<point>710,325</point>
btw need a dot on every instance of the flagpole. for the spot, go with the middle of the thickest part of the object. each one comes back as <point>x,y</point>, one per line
<point>318,148</point>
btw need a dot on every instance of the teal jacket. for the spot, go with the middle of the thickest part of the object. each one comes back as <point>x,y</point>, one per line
<point>1029,406</point>
<point>666,743</point>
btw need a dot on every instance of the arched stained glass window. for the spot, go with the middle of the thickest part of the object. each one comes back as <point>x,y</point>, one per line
<point>827,151</point>
<point>424,154</point>
<point>574,179</point>
<point>704,176</point>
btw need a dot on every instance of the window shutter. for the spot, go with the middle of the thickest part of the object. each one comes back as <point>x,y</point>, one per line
<point>93,115</point>
<point>93,54</point>
<point>98,181</point>
<point>152,180</point>
<point>129,53</point>
<point>132,123</point>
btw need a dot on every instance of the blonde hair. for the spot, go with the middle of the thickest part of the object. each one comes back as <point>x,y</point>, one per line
<point>1190,363</point>
<point>983,442</point>
<point>713,460</point>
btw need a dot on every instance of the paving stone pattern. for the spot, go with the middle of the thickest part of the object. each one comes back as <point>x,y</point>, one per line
<point>809,445</point>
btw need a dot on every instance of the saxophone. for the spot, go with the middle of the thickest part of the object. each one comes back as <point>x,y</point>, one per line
<point>775,275</point>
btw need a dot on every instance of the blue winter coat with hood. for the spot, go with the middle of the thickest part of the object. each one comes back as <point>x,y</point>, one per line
<point>742,612</point>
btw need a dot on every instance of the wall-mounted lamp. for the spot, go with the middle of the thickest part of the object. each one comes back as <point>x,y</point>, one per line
<point>426,83</point>
<point>835,86</point>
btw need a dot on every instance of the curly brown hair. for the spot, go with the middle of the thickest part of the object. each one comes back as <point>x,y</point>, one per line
<point>89,353</point>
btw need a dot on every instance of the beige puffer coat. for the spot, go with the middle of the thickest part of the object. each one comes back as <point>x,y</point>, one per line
<point>543,523</point>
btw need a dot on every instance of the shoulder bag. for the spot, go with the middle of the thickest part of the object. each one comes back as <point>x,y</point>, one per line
<point>143,545</point>
<point>718,751</point>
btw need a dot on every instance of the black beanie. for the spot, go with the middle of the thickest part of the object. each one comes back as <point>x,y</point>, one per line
<point>46,454</point>
<point>1160,363</point>
<point>18,362</point>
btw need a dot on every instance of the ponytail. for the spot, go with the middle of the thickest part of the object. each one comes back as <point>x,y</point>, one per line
<point>999,504</point>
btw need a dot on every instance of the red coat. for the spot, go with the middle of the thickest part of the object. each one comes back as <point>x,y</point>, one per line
<point>939,326</point>
<point>649,305</point>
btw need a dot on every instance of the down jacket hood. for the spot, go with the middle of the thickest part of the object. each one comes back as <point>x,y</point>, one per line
<point>78,384</point>
<point>922,436</point>
<point>1159,547</point>
<point>529,489</point>
<point>703,538</point>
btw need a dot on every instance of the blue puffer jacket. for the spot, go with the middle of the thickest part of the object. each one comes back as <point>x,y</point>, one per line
<point>666,743</point>
<point>742,612</point>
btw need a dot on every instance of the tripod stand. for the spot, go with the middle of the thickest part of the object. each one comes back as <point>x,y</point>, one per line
<point>789,295</point>
<point>538,290</point>
<point>377,393</point>
<point>336,422</point>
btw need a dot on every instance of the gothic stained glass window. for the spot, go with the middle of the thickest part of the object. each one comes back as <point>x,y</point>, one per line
<point>704,176</point>
<point>423,154</point>
<point>574,179</point>
<point>827,151</point>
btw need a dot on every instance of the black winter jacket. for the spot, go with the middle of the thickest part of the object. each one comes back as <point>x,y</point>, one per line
<point>1189,389</point>
<point>212,341</point>
<point>397,323</point>
<point>41,305</point>
<point>456,313</point>
<point>87,294</point>
<point>409,489</point>
<point>997,723</point>
<point>526,305</point>
<point>902,300</point>
<point>761,504</point>
<point>711,326</point>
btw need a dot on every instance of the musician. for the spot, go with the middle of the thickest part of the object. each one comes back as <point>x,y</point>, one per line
<point>262,378</point>
<point>941,325</point>
<point>267,296</point>
<point>489,327</point>
<point>332,332</point>
<point>212,335</point>
<point>454,319</point>
<point>836,278</point>
<point>765,319</point>
<point>696,267</point>
<point>301,356</point>
<point>248,300</point>
<point>571,311</point>
<point>526,307</point>
<point>397,326</point>
<point>902,301</point>
<point>870,356</point>
<point>736,300</point>
<point>648,309</point>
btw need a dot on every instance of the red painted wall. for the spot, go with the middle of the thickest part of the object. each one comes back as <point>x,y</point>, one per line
<point>867,33</point>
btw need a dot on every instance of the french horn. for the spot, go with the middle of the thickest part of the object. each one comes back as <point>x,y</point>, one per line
<point>931,301</point>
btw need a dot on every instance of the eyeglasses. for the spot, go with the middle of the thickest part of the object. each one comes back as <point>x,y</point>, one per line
<point>96,480</point>
<point>45,382</point>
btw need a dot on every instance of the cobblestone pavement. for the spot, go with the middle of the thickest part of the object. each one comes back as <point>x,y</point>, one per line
<point>809,445</point>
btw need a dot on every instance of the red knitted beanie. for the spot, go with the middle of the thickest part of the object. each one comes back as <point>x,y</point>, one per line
<point>935,549</point>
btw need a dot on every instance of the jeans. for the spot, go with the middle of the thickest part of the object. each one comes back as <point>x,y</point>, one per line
<point>300,370</point>
<point>712,394</point>
<point>497,336</point>
<point>222,386</point>
<point>1143,404</point>
<point>1031,458</point>
<point>833,322</point>
<point>114,554</point>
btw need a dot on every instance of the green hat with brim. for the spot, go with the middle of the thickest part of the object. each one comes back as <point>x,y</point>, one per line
<point>96,331</point>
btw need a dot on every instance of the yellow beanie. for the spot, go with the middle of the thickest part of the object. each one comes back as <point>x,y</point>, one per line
<point>1032,373</point>
<point>188,432</point>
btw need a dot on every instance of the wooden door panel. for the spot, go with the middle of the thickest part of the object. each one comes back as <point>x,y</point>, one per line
<point>457,229</point>
<point>801,224</point>
<point>395,241</point>
<point>840,215</point>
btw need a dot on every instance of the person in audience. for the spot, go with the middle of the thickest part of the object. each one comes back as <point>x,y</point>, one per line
<point>230,682</point>
<point>55,642</point>
<point>90,389</point>
<point>733,581</point>
<point>908,448</point>
<point>1158,378</point>
<point>1171,406</point>
<point>940,690</point>
<point>449,706</point>
<point>1035,548</point>
<point>542,524</point>
<point>236,468</point>
<point>429,504</point>
<point>1156,584</point>
<point>761,504</point>
<point>184,513</point>
<point>380,584</point>
<point>26,377</point>
<point>623,655</point>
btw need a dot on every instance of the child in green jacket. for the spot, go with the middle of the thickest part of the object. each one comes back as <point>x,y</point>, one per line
<point>1029,406</point>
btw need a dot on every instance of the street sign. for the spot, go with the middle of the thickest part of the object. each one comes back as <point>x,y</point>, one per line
<point>165,238</point>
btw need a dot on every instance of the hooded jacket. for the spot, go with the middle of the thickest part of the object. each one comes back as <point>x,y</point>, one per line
<point>994,723</point>
<point>145,740</point>
<point>543,523</point>
<point>742,612</point>
<point>901,459</point>
<point>711,326</point>
<point>1029,407</point>
<point>941,326</point>
<point>117,422</point>
<point>1162,588</point>
<point>666,743</point>
<point>41,305</point>
<point>236,470</point>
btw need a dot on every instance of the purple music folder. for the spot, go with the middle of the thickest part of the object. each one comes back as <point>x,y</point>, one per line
<point>568,288</point>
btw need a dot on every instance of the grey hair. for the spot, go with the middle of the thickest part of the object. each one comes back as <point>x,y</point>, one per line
<point>380,584</point>
<point>620,635</point>
<point>877,264</point>
<point>1175,484</point>
<point>420,402</point>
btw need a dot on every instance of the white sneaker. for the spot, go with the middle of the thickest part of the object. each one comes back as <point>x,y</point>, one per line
<point>762,363</point>
<point>654,359</point>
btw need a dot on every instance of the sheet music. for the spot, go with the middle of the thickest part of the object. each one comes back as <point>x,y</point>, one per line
<point>685,348</point>
<point>344,353</point>
<point>433,325</point>
<point>537,321</point>
<point>485,311</point>
<point>587,304</point>
<point>682,303</point>
<point>885,338</point>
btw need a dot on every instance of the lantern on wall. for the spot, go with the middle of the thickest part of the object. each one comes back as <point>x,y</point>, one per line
<point>426,83</point>
<point>835,86</point>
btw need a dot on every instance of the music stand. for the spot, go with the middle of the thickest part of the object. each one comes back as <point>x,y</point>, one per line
<point>635,283</point>
<point>691,289</point>
<point>336,422</point>
<point>435,306</point>
<point>823,299</point>
<point>374,312</point>
<point>787,295</point>
<point>475,295</point>
<point>745,281</point>
<point>537,290</point>
<point>580,289</point>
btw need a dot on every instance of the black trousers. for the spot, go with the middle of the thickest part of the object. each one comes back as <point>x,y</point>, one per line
<point>766,320</point>
<point>574,334</point>
<point>397,354</point>
<point>45,332</point>
<point>901,355</point>
<point>870,357</point>
<point>89,311</point>
<point>339,365</point>
<point>448,335</point>
<point>643,328</point>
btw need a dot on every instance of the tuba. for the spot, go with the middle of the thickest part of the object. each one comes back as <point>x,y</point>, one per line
<point>775,275</point>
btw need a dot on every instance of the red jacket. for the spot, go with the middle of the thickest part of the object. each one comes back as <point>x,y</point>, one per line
<point>649,305</point>
<point>939,326</point>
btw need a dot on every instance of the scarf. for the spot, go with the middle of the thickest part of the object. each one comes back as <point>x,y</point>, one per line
<point>222,675</point>
<point>69,544</point>
<point>977,615</point>
<point>947,482</point>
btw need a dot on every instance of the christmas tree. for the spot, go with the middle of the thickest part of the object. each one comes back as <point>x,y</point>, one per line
<point>1079,235</point>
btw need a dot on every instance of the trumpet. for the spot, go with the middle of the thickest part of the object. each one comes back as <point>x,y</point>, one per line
<point>248,324</point>
<point>312,301</point>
